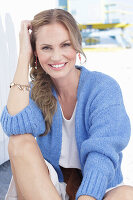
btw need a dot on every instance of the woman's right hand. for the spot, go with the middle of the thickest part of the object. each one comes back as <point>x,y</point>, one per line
<point>24,39</point>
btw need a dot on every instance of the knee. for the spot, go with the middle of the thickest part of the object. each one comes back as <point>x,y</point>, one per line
<point>20,144</point>
<point>122,192</point>
<point>128,192</point>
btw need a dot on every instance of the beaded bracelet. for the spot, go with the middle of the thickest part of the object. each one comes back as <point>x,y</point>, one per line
<point>21,87</point>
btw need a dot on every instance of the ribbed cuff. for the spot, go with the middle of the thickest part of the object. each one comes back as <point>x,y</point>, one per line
<point>94,184</point>
<point>29,120</point>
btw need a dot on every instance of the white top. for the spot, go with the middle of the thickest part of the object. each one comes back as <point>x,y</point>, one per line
<point>69,157</point>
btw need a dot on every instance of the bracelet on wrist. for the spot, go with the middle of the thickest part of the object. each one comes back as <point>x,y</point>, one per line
<point>20,87</point>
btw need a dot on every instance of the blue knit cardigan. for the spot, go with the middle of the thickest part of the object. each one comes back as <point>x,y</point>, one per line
<point>102,130</point>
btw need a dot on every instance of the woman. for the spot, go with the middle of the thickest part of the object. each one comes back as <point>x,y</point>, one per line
<point>77,117</point>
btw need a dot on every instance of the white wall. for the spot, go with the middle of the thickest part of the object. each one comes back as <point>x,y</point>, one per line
<point>11,14</point>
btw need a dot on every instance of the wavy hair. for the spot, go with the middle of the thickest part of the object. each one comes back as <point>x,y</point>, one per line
<point>41,91</point>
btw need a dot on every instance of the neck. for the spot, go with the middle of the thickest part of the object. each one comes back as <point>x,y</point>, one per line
<point>67,87</point>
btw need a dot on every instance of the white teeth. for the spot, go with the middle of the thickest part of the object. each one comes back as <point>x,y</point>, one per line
<point>56,66</point>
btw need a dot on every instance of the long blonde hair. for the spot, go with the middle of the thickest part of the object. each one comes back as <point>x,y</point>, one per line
<point>42,84</point>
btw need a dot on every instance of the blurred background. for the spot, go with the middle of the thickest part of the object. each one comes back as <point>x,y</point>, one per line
<point>107,31</point>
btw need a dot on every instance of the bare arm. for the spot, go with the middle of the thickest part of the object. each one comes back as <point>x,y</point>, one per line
<point>17,99</point>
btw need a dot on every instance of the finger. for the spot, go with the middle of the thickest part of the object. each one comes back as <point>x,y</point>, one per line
<point>26,24</point>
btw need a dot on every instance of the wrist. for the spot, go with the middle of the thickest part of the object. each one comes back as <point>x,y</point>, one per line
<point>22,72</point>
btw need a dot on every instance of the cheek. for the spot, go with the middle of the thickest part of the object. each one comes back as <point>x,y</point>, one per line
<point>43,59</point>
<point>71,54</point>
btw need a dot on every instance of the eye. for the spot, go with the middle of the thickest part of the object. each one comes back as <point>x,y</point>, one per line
<point>66,44</point>
<point>46,48</point>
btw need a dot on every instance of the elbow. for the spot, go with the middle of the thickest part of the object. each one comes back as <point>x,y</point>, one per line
<point>19,145</point>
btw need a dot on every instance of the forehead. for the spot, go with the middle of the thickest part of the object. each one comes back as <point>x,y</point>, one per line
<point>51,33</point>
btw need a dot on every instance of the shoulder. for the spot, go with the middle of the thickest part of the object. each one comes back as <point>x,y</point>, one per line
<point>99,87</point>
<point>94,80</point>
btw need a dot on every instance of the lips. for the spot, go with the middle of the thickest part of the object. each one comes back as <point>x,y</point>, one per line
<point>57,65</point>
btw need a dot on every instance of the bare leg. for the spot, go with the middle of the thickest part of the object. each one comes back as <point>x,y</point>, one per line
<point>120,193</point>
<point>20,196</point>
<point>31,173</point>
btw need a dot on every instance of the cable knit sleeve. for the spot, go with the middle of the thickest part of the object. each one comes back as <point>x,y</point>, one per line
<point>29,120</point>
<point>108,134</point>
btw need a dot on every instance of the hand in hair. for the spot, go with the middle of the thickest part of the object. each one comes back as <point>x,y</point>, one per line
<point>24,37</point>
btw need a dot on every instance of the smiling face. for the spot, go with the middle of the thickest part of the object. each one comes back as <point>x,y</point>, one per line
<point>55,51</point>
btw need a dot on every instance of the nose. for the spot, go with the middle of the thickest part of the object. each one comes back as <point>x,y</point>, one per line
<point>56,55</point>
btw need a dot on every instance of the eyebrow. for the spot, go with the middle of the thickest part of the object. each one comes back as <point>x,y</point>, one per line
<point>60,43</point>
